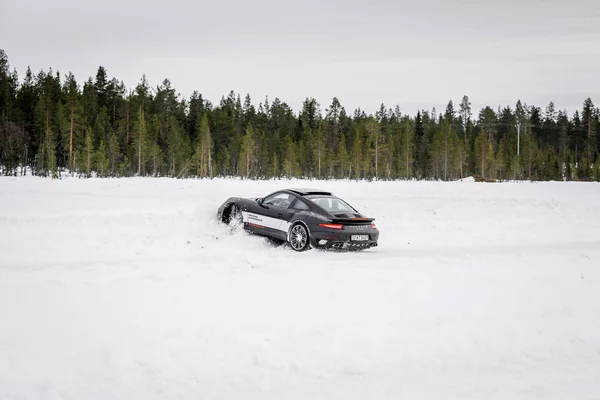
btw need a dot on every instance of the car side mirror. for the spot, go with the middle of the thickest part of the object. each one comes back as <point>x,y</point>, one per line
<point>259,201</point>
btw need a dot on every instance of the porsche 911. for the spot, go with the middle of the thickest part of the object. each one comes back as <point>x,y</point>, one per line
<point>304,218</point>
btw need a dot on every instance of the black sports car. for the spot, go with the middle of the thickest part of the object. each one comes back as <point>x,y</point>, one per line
<point>303,218</point>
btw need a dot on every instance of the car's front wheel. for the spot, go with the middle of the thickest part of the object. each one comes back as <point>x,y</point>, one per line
<point>236,219</point>
<point>299,239</point>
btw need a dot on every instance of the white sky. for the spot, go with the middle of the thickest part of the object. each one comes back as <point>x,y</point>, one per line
<point>418,54</point>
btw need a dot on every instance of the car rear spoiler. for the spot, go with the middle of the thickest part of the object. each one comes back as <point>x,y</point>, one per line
<point>348,221</point>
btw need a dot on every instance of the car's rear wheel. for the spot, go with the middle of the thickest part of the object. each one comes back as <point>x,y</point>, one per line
<point>299,239</point>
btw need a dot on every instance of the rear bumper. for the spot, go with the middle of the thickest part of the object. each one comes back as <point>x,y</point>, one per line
<point>343,240</point>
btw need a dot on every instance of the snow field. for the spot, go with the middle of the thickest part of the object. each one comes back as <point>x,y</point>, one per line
<point>128,288</point>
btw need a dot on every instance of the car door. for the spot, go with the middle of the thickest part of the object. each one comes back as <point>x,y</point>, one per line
<point>254,217</point>
<point>268,217</point>
<point>276,206</point>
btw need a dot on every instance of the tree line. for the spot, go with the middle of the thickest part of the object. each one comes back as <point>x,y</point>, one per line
<point>50,124</point>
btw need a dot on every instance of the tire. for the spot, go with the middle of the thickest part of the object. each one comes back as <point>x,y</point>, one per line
<point>236,220</point>
<point>299,239</point>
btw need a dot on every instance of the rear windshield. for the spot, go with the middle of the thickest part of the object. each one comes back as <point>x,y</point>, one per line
<point>331,204</point>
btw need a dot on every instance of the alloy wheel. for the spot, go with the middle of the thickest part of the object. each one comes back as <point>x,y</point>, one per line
<point>298,237</point>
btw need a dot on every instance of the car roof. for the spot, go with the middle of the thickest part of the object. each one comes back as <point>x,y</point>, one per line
<point>304,191</point>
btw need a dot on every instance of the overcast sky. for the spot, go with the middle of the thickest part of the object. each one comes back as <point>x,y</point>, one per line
<point>418,54</point>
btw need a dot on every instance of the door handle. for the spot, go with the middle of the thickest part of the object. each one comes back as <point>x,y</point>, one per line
<point>279,215</point>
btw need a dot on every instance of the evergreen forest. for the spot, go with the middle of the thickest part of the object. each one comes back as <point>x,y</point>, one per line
<point>51,125</point>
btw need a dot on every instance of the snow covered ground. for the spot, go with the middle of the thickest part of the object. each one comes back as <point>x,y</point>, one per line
<point>129,289</point>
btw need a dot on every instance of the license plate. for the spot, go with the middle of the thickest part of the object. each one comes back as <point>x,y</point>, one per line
<point>359,237</point>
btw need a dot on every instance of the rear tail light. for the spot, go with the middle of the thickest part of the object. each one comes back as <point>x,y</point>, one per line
<point>373,225</point>
<point>331,226</point>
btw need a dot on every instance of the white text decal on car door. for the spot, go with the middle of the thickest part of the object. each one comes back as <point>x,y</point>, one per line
<point>262,221</point>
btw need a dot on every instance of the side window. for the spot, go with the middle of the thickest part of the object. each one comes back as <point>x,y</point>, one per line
<point>300,205</point>
<point>282,200</point>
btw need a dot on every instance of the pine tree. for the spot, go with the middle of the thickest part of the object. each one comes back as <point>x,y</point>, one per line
<point>465,112</point>
<point>114,152</point>
<point>248,153</point>
<point>319,149</point>
<point>275,169</point>
<point>421,156</point>
<point>73,106</point>
<point>156,155</point>
<point>44,121</point>
<point>342,158</point>
<point>89,152</point>
<point>530,149</point>
<point>563,141</point>
<point>290,163</point>
<point>62,135</point>
<point>449,117</point>
<point>357,156</point>
<point>437,150</point>
<point>597,172</point>
<point>568,168</point>
<point>50,147</point>
<point>388,150</point>
<point>12,136</point>
<point>484,153</point>
<point>140,139</point>
<point>588,110</point>
<point>204,149</point>
<point>498,162</point>
<point>373,131</point>
<point>102,161</point>
<point>461,149</point>
<point>180,152</point>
